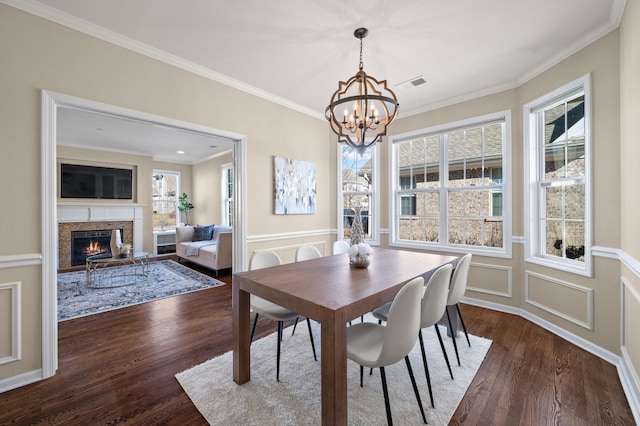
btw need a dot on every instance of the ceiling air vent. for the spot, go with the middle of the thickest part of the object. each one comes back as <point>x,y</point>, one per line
<point>414,82</point>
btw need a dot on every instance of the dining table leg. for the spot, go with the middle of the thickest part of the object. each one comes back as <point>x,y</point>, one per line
<point>334,370</point>
<point>241,334</point>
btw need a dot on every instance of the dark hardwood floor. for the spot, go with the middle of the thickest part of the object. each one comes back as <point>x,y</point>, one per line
<point>118,368</point>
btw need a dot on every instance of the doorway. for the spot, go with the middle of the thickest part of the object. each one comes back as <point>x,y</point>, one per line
<point>52,105</point>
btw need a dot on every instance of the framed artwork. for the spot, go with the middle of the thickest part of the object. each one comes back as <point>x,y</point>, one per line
<point>295,186</point>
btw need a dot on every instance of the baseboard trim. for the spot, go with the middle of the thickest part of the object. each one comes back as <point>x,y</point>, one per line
<point>20,380</point>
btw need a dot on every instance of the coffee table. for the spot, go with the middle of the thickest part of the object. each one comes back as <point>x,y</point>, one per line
<point>105,271</point>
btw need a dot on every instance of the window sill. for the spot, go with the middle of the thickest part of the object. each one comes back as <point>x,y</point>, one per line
<point>478,251</point>
<point>572,267</point>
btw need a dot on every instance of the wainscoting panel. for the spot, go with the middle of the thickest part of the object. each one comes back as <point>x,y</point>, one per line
<point>490,279</point>
<point>630,344</point>
<point>10,325</point>
<point>566,300</point>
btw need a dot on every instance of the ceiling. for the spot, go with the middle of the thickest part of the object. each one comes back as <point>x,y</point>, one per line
<point>295,52</point>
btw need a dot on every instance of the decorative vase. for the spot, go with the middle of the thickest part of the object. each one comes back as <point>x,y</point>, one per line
<point>361,261</point>
<point>357,233</point>
<point>115,242</point>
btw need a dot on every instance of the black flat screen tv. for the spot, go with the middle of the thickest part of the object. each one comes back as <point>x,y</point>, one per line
<point>78,181</point>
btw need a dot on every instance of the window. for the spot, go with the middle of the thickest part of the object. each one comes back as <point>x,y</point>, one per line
<point>227,194</point>
<point>358,188</point>
<point>165,187</point>
<point>450,189</point>
<point>558,173</point>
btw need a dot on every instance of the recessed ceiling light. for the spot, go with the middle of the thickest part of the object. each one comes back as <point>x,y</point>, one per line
<point>213,146</point>
<point>180,152</point>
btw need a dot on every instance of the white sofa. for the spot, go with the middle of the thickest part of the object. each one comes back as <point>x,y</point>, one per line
<point>215,254</point>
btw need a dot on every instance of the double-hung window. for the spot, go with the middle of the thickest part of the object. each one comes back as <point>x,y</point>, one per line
<point>227,195</point>
<point>165,187</point>
<point>558,178</point>
<point>450,187</point>
<point>358,191</point>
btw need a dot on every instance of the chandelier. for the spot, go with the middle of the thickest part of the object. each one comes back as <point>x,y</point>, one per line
<point>362,108</point>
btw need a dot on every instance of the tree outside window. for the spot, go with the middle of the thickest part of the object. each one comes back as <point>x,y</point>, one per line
<point>165,189</point>
<point>357,189</point>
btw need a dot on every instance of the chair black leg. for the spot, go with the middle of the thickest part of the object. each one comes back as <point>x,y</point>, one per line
<point>462,322</point>
<point>426,368</point>
<point>313,346</point>
<point>280,327</point>
<point>387,406</point>
<point>253,329</point>
<point>415,388</point>
<point>453,336</point>
<point>444,351</point>
<point>361,374</point>
<point>295,324</point>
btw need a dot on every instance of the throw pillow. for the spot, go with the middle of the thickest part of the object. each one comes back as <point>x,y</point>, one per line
<point>202,233</point>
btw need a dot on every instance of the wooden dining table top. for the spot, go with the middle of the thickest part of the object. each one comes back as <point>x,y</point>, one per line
<point>330,283</point>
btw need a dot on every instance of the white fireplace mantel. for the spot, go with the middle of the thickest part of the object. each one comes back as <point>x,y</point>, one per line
<point>104,213</point>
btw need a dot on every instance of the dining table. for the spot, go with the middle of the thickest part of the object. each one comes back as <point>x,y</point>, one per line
<point>332,292</point>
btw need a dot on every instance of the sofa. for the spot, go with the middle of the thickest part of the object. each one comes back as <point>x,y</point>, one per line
<point>209,246</point>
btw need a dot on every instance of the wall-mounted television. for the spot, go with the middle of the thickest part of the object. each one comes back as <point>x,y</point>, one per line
<point>79,181</point>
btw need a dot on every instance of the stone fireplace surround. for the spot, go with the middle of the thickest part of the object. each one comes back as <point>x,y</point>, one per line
<point>88,217</point>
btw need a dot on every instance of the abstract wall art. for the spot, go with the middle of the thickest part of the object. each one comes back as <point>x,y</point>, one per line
<point>295,186</point>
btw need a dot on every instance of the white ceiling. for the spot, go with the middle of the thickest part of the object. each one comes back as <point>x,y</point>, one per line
<point>295,52</point>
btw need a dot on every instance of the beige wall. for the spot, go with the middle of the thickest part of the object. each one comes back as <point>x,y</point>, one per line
<point>567,294</point>
<point>630,201</point>
<point>38,54</point>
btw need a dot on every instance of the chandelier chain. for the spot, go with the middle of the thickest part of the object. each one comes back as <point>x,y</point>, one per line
<point>361,62</point>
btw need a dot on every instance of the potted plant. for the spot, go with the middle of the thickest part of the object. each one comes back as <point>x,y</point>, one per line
<point>184,206</point>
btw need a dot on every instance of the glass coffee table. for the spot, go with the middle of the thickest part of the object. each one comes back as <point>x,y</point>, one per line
<point>105,271</point>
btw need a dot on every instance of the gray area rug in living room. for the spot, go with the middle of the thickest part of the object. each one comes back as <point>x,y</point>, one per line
<point>166,278</point>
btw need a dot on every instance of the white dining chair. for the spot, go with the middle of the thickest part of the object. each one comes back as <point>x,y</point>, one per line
<point>307,252</point>
<point>433,305</point>
<point>456,293</point>
<point>340,246</point>
<point>377,346</point>
<point>265,259</point>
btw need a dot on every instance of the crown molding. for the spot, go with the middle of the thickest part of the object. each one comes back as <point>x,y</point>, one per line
<point>83,26</point>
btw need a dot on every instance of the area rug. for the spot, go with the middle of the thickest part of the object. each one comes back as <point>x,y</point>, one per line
<point>166,278</point>
<point>295,400</point>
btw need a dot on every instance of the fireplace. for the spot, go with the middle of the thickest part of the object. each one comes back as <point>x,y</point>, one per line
<point>90,243</point>
<point>92,238</point>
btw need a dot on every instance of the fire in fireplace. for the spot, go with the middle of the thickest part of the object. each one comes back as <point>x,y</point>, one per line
<point>89,243</point>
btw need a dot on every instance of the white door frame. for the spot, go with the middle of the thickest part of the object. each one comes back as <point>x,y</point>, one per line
<point>51,101</point>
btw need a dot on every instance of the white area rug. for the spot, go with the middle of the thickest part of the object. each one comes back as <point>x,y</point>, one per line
<point>166,278</point>
<point>295,400</point>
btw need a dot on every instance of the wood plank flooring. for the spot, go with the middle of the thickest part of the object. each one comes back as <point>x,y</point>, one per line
<point>118,368</point>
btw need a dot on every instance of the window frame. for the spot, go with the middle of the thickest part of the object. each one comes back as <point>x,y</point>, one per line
<point>178,175</point>
<point>226,203</point>
<point>374,194</point>
<point>443,245</point>
<point>533,161</point>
